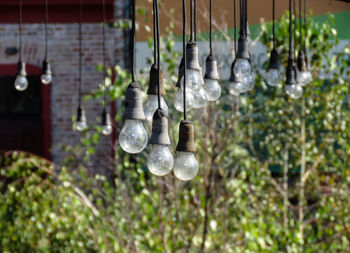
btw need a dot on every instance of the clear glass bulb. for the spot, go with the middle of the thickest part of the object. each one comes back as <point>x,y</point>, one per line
<point>186,166</point>
<point>305,77</point>
<point>248,83</point>
<point>81,126</point>
<point>235,88</point>
<point>151,105</point>
<point>21,83</point>
<point>133,136</point>
<point>46,79</point>
<point>178,100</point>
<point>193,79</point>
<point>107,129</point>
<point>200,98</point>
<point>213,89</point>
<point>273,77</point>
<point>295,91</point>
<point>160,161</point>
<point>242,68</point>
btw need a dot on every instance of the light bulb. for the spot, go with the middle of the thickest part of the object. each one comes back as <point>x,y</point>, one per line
<point>133,136</point>
<point>273,77</point>
<point>213,89</point>
<point>81,126</point>
<point>178,100</point>
<point>21,83</point>
<point>46,79</point>
<point>295,91</point>
<point>106,129</point>
<point>248,83</point>
<point>160,161</point>
<point>186,166</point>
<point>193,79</point>
<point>305,77</point>
<point>235,88</point>
<point>151,105</point>
<point>199,98</point>
<point>242,68</point>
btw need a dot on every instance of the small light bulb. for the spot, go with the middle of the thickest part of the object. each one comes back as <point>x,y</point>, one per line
<point>213,89</point>
<point>305,77</point>
<point>151,105</point>
<point>21,83</point>
<point>106,129</point>
<point>81,126</point>
<point>235,88</point>
<point>186,166</point>
<point>248,83</point>
<point>200,98</point>
<point>178,100</point>
<point>133,136</point>
<point>295,91</point>
<point>273,77</point>
<point>160,161</point>
<point>242,68</point>
<point>193,79</point>
<point>46,79</point>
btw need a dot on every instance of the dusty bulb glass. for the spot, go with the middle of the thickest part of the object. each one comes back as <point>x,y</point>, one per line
<point>81,126</point>
<point>151,105</point>
<point>186,166</point>
<point>133,136</point>
<point>212,88</point>
<point>199,98</point>
<point>295,91</point>
<point>273,77</point>
<point>242,68</point>
<point>305,77</point>
<point>106,129</point>
<point>248,83</point>
<point>21,83</point>
<point>160,161</point>
<point>46,79</point>
<point>178,100</point>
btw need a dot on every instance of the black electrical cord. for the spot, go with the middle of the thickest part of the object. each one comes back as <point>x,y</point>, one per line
<point>184,53</point>
<point>80,48</point>
<point>210,27</point>
<point>20,30</point>
<point>300,25</point>
<point>46,21</point>
<point>133,9</point>
<point>273,23</point>
<point>158,53</point>
<point>154,33</point>
<point>195,20</point>
<point>191,20</point>
<point>305,25</point>
<point>235,26</point>
<point>290,30</point>
<point>104,51</point>
<point>246,18</point>
<point>294,29</point>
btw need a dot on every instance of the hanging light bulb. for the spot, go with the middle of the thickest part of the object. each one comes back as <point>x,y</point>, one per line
<point>81,124</point>
<point>305,76</point>
<point>151,103</point>
<point>186,165</point>
<point>248,82</point>
<point>194,79</point>
<point>106,128</point>
<point>211,79</point>
<point>292,89</point>
<point>179,102</point>
<point>133,136</point>
<point>199,98</point>
<point>273,76</point>
<point>160,161</point>
<point>21,82</point>
<point>46,76</point>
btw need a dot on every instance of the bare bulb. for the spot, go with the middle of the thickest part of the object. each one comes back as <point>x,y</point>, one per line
<point>81,126</point>
<point>21,83</point>
<point>133,136</point>
<point>107,129</point>
<point>295,91</point>
<point>193,79</point>
<point>199,98</point>
<point>242,68</point>
<point>160,161</point>
<point>235,88</point>
<point>186,166</point>
<point>212,88</point>
<point>151,105</point>
<point>178,100</point>
<point>248,83</point>
<point>273,77</point>
<point>305,77</point>
<point>46,79</point>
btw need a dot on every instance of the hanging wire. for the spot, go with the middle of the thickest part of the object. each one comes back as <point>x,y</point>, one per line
<point>235,26</point>
<point>290,30</point>
<point>184,52</point>
<point>305,25</point>
<point>158,53</point>
<point>20,30</point>
<point>195,20</point>
<point>210,27</point>
<point>191,20</point>
<point>133,9</point>
<point>245,18</point>
<point>273,23</point>
<point>154,34</point>
<point>46,21</point>
<point>80,47</point>
<point>300,25</point>
<point>104,51</point>
<point>294,29</point>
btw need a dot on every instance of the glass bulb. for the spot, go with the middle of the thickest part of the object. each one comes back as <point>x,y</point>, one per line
<point>107,129</point>
<point>186,166</point>
<point>133,136</point>
<point>305,77</point>
<point>160,161</point>
<point>213,89</point>
<point>235,88</point>
<point>200,98</point>
<point>193,79</point>
<point>273,77</point>
<point>151,105</point>
<point>295,91</point>
<point>46,79</point>
<point>178,100</point>
<point>248,83</point>
<point>81,126</point>
<point>242,68</point>
<point>21,83</point>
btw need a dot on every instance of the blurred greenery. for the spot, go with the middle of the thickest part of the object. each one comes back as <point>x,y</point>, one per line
<point>274,173</point>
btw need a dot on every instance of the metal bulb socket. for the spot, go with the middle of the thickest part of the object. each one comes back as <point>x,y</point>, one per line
<point>186,137</point>
<point>133,97</point>
<point>153,81</point>
<point>301,62</point>
<point>21,68</point>
<point>243,51</point>
<point>192,60</point>
<point>290,73</point>
<point>273,59</point>
<point>46,67</point>
<point>211,68</point>
<point>106,118</point>
<point>160,135</point>
<point>81,115</point>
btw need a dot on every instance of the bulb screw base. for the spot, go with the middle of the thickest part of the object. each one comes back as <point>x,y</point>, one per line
<point>133,97</point>
<point>243,51</point>
<point>160,133</point>
<point>180,73</point>
<point>211,68</point>
<point>81,114</point>
<point>273,59</point>
<point>192,61</point>
<point>186,137</point>
<point>301,63</point>
<point>153,81</point>
<point>21,68</point>
<point>46,67</point>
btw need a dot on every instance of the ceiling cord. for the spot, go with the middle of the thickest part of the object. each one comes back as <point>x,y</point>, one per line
<point>46,21</point>
<point>210,27</point>
<point>235,26</point>
<point>20,30</point>
<point>158,53</point>
<point>104,51</point>
<point>184,53</point>
<point>195,20</point>
<point>133,9</point>
<point>80,48</point>
<point>273,23</point>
